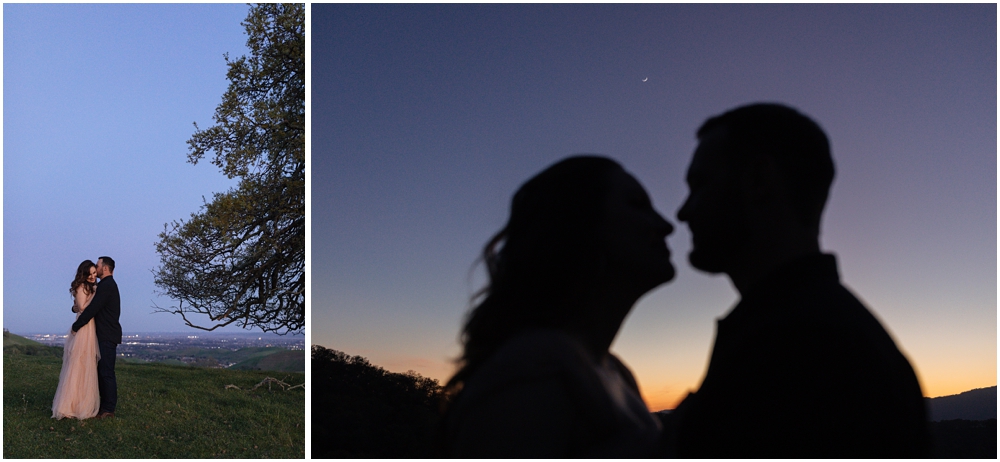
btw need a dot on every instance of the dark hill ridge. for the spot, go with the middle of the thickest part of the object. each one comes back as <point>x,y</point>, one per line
<point>977,404</point>
<point>365,411</point>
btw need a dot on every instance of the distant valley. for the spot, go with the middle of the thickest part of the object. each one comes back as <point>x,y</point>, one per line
<point>244,351</point>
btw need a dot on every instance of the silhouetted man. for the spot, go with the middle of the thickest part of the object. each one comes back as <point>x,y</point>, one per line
<point>105,309</point>
<point>800,368</point>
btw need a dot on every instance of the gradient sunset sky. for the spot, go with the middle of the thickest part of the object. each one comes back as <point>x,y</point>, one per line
<point>426,119</point>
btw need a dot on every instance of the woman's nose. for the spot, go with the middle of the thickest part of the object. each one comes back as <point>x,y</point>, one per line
<point>664,226</point>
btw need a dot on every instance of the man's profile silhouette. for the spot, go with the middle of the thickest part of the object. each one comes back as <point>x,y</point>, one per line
<point>800,367</point>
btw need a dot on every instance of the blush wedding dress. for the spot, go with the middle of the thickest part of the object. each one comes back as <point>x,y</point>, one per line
<point>77,395</point>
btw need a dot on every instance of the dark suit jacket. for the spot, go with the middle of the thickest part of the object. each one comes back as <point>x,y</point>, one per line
<point>800,368</point>
<point>104,309</point>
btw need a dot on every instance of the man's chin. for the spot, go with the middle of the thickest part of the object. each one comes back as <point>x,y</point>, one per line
<point>706,262</point>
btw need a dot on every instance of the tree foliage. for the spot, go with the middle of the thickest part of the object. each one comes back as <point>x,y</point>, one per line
<point>361,410</point>
<point>241,258</point>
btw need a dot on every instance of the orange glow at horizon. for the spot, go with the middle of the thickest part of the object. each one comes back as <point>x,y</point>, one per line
<point>660,395</point>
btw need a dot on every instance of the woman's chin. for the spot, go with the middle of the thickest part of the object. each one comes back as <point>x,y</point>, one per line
<point>663,275</point>
<point>671,274</point>
<point>668,274</point>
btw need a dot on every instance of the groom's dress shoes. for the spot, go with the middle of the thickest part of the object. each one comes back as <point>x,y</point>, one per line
<point>105,414</point>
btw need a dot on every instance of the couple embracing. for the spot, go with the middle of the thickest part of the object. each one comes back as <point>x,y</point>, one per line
<point>799,368</point>
<point>87,385</point>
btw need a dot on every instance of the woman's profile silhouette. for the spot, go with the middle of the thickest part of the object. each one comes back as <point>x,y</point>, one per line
<point>535,378</point>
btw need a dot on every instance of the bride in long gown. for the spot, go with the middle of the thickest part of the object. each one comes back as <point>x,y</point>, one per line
<point>77,395</point>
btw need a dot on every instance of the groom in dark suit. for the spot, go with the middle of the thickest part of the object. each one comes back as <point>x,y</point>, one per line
<point>105,309</point>
<point>800,367</point>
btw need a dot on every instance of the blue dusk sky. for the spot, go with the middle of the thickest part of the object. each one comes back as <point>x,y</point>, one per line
<point>426,119</point>
<point>99,102</point>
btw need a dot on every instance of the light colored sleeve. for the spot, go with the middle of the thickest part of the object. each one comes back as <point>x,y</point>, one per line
<point>81,300</point>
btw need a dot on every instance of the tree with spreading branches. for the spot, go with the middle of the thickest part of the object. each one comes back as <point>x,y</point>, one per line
<point>241,259</point>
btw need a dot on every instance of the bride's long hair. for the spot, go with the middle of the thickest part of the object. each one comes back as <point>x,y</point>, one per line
<point>541,262</point>
<point>82,273</point>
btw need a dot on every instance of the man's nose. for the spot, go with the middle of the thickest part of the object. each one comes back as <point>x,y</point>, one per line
<point>663,226</point>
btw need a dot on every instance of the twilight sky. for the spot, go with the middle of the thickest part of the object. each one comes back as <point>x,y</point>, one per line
<point>98,105</point>
<point>426,118</point>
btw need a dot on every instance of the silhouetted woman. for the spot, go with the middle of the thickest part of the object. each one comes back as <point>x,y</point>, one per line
<point>536,379</point>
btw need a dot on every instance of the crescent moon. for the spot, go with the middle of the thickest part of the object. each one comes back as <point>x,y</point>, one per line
<point>645,79</point>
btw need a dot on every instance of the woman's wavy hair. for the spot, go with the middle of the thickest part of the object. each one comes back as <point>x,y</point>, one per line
<point>543,260</point>
<point>82,273</point>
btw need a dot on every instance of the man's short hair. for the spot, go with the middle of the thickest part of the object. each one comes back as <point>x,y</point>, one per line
<point>108,262</point>
<point>797,144</point>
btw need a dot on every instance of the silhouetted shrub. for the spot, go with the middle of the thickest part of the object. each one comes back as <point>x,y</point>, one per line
<point>361,410</point>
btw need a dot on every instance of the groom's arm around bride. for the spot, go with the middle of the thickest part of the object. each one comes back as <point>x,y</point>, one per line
<point>101,299</point>
<point>105,298</point>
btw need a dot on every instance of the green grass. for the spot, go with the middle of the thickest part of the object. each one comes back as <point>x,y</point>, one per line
<point>222,354</point>
<point>251,358</point>
<point>163,411</point>
<point>10,339</point>
<point>19,345</point>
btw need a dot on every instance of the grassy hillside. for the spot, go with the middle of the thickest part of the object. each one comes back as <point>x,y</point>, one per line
<point>242,354</point>
<point>252,358</point>
<point>20,345</point>
<point>10,339</point>
<point>163,411</point>
<point>285,361</point>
